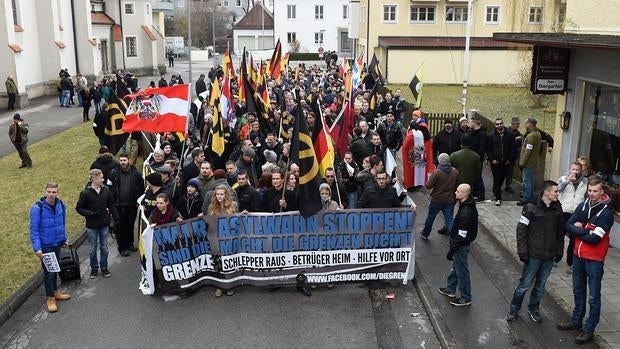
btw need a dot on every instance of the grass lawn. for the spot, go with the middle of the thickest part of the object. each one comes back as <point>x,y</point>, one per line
<point>491,101</point>
<point>64,158</point>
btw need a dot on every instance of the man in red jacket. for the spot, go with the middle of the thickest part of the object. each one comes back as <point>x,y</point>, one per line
<point>590,224</point>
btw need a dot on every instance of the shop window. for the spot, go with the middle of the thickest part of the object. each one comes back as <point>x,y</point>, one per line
<point>600,134</point>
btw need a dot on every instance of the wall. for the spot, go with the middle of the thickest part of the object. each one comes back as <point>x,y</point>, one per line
<point>445,67</point>
<point>594,17</point>
<point>305,25</point>
<point>259,36</point>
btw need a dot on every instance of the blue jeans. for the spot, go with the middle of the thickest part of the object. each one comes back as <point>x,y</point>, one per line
<point>65,98</point>
<point>534,268</point>
<point>459,274</point>
<point>588,273</point>
<point>528,184</point>
<point>50,280</point>
<point>352,197</point>
<point>433,210</point>
<point>100,234</point>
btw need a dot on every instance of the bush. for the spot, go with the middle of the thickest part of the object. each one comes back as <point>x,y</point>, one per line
<point>305,56</point>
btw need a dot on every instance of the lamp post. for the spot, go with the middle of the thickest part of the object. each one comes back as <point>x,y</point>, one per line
<point>463,99</point>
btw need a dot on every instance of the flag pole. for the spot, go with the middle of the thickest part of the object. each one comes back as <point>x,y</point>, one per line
<point>189,37</point>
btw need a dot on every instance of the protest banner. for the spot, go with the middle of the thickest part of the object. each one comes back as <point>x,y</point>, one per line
<point>264,249</point>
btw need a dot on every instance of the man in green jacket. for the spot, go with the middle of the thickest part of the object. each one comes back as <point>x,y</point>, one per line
<point>528,159</point>
<point>18,132</point>
<point>11,91</point>
<point>466,161</point>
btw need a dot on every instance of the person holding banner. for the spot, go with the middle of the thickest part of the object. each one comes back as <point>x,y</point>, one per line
<point>222,203</point>
<point>48,234</point>
<point>164,213</point>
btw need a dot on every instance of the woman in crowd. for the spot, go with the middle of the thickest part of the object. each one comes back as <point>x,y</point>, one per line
<point>164,212</point>
<point>291,182</point>
<point>326,198</point>
<point>221,204</point>
<point>573,188</point>
<point>85,96</point>
<point>158,159</point>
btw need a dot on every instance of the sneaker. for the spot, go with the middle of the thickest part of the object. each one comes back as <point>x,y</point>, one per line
<point>535,316</point>
<point>512,315</point>
<point>423,236</point>
<point>584,337</point>
<point>443,231</point>
<point>459,302</point>
<point>230,292</point>
<point>218,292</point>
<point>521,203</point>
<point>106,273</point>
<point>568,326</point>
<point>93,273</point>
<point>498,202</point>
<point>445,292</point>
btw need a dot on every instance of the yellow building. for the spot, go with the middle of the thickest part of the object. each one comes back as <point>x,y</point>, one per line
<point>404,34</point>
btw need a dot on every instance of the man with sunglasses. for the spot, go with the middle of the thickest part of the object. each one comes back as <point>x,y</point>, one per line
<point>499,152</point>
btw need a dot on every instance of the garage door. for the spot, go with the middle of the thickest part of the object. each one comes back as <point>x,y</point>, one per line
<point>265,42</point>
<point>248,42</point>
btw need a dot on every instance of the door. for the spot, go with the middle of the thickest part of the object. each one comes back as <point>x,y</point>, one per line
<point>345,43</point>
<point>104,56</point>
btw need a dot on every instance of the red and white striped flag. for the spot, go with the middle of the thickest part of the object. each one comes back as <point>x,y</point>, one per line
<point>162,109</point>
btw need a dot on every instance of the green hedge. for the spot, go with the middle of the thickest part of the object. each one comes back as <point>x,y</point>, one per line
<point>304,56</point>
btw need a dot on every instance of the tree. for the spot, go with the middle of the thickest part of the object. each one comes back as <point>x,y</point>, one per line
<point>202,23</point>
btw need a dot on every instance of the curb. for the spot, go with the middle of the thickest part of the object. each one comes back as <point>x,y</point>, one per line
<point>446,340</point>
<point>599,340</point>
<point>11,306</point>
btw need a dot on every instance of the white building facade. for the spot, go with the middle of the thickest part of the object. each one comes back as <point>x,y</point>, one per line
<point>89,37</point>
<point>313,24</point>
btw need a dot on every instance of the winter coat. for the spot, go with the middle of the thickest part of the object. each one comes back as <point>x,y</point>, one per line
<point>349,182</point>
<point>130,183</point>
<point>379,198</point>
<point>19,130</point>
<point>592,240</point>
<point>391,135</point>
<point>500,147</point>
<point>443,182</point>
<point>467,162</point>
<point>96,207</point>
<point>540,231</point>
<point>248,199</point>
<point>445,142</point>
<point>530,149</point>
<point>47,224</point>
<point>106,163</point>
<point>570,196</point>
<point>479,141</point>
<point>189,207</point>
<point>358,149</point>
<point>465,226</point>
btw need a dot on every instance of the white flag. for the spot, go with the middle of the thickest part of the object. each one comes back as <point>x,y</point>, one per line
<point>390,163</point>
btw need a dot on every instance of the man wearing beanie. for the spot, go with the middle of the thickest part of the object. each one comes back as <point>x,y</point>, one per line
<point>442,183</point>
<point>446,141</point>
<point>249,163</point>
<point>190,204</point>
<point>18,133</point>
<point>466,161</point>
<point>154,187</point>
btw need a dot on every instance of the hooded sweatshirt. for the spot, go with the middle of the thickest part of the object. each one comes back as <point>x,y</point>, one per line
<point>443,182</point>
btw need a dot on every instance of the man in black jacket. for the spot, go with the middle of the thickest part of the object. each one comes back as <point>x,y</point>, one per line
<point>201,86</point>
<point>127,185</point>
<point>464,231</point>
<point>478,135</point>
<point>274,200</point>
<point>246,194</point>
<point>540,242</point>
<point>382,195</point>
<point>446,141</point>
<point>96,204</point>
<point>500,149</point>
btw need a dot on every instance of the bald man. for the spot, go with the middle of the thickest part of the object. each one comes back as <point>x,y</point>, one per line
<point>464,231</point>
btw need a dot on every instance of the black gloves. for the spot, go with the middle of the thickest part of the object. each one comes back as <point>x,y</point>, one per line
<point>557,258</point>
<point>523,259</point>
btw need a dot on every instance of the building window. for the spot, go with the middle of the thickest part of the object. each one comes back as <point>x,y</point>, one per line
<point>238,3</point>
<point>422,14</point>
<point>318,38</point>
<point>600,135</point>
<point>456,14</point>
<point>224,3</point>
<point>318,12</point>
<point>15,8</point>
<point>492,15</point>
<point>129,8</point>
<point>389,13</point>
<point>148,9</point>
<point>181,3</point>
<point>291,11</point>
<point>535,15</point>
<point>131,46</point>
<point>345,11</point>
<point>291,37</point>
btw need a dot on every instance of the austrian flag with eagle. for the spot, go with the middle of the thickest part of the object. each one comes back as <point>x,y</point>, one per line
<point>162,109</point>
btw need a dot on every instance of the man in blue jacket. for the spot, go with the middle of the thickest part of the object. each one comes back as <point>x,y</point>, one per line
<point>48,235</point>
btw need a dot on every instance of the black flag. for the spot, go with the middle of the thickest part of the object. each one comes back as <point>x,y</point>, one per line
<point>374,69</point>
<point>114,136</point>
<point>302,154</point>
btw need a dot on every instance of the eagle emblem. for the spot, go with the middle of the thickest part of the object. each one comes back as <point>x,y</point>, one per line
<point>146,107</point>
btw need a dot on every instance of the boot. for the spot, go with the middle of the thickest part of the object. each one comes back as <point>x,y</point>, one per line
<point>59,296</point>
<point>51,305</point>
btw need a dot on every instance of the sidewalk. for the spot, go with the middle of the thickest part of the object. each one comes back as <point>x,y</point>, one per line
<point>501,223</point>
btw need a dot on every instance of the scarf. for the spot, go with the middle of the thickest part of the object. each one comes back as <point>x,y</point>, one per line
<point>163,218</point>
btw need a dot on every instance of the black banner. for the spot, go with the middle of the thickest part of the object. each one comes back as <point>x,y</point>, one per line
<point>550,67</point>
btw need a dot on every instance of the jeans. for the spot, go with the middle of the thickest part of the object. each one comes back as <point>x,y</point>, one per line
<point>528,184</point>
<point>100,234</point>
<point>534,268</point>
<point>65,98</point>
<point>352,197</point>
<point>459,274</point>
<point>50,279</point>
<point>588,273</point>
<point>433,209</point>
